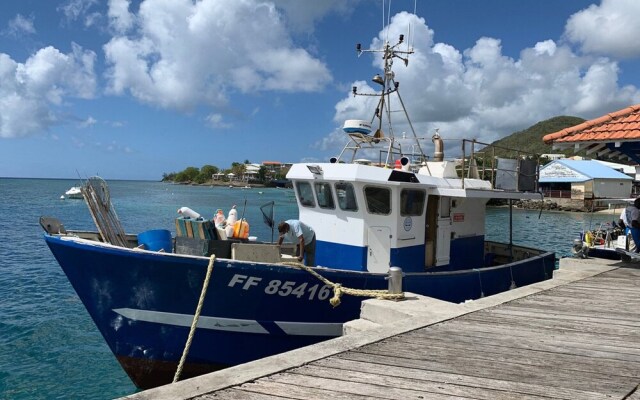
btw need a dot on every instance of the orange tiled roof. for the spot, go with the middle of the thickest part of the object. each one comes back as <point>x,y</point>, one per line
<point>619,125</point>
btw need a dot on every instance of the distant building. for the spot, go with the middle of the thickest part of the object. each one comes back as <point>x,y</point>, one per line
<point>553,157</point>
<point>273,166</point>
<point>630,170</point>
<point>578,183</point>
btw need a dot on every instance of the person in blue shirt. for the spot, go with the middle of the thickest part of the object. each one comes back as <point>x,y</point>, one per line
<point>629,219</point>
<point>301,234</point>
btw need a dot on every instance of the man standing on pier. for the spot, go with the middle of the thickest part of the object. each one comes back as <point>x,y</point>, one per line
<point>630,219</point>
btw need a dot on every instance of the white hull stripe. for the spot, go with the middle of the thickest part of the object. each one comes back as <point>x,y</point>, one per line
<point>231,324</point>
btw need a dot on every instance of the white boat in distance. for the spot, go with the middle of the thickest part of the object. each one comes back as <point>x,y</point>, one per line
<point>73,193</point>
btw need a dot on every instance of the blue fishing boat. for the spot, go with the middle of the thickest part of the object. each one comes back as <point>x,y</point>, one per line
<point>247,300</point>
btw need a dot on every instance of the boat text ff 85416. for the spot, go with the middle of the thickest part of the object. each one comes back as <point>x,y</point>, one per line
<point>423,215</point>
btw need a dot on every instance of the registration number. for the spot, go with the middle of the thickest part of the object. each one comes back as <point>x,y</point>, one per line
<point>281,288</point>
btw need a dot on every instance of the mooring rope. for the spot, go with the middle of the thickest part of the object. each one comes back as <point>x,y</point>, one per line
<point>339,290</point>
<point>196,316</point>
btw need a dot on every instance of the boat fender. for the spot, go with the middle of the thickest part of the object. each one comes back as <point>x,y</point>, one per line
<point>219,220</point>
<point>187,212</point>
<point>231,220</point>
<point>241,229</point>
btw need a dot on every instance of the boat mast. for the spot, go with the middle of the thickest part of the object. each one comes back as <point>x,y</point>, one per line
<point>389,86</point>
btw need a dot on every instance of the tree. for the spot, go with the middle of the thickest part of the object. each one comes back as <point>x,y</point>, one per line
<point>206,173</point>
<point>238,169</point>
<point>262,173</point>
<point>188,175</point>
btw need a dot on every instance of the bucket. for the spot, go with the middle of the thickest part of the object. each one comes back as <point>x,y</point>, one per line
<point>156,240</point>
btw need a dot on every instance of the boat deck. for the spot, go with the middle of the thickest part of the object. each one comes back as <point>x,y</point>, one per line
<point>574,337</point>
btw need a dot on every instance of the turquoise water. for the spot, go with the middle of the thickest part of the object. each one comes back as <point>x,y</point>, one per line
<point>49,346</point>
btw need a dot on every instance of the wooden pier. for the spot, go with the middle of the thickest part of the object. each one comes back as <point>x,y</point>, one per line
<point>574,337</point>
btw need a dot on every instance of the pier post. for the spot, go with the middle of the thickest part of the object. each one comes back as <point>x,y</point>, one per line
<point>395,280</point>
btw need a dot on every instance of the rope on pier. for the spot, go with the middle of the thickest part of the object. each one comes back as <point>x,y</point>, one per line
<point>196,316</point>
<point>339,290</point>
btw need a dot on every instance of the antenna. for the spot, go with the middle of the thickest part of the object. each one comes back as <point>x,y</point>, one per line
<point>383,27</point>
<point>388,20</point>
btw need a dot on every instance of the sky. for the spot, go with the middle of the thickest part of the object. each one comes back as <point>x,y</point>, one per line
<point>130,89</point>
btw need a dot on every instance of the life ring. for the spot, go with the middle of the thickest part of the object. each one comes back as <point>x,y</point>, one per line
<point>599,241</point>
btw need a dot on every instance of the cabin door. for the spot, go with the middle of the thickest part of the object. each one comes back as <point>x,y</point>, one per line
<point>438,231</point>
<point>378,258</point>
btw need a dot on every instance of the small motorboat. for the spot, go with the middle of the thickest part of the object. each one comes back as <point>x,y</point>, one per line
<point>73,193</point>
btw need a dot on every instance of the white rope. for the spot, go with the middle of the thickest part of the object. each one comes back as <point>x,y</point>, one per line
<point>196,316</point>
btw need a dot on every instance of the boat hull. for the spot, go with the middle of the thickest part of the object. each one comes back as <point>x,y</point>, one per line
<point>143,303</point>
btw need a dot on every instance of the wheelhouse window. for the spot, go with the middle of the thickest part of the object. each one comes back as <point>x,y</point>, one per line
<point>305,194</point>
<point>346,197</point>
<point>411,202</point>
<point>378,200</point>
<point>324,196</point>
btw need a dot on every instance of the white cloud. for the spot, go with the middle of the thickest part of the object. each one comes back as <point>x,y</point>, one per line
<point>87,123</point>
<point>610,28</point>
<point>182,54</point>
<point>31,93</point>
<point>481,93</point>
<point>216,121</point>
<point>120,19</point>
<point>20,26</point>
<point>75,10</point>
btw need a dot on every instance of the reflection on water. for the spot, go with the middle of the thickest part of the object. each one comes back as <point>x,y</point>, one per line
<point>553,231</point>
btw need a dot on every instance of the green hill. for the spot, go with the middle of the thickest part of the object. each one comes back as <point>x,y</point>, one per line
<point>530,139</point>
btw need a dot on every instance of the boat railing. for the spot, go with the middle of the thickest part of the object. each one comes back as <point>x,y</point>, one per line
<point>506,168</point>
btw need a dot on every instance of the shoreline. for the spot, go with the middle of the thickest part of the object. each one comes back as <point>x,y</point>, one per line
<point>234,184</point>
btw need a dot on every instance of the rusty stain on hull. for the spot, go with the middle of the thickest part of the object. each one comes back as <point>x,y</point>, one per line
<point>147,374</point>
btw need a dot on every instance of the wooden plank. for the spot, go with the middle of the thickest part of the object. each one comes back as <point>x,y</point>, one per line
<point>568,304</point>
<point>481,327</point>
<point>494,353</point>
<point>419,382</point>
<point>540,344</point>
<point>487,350</point>
<point>376,387</point>
<point>581,299</point>
<point>634,394</point>
<point>270,386</point>
<point>460,379</point>
<point>509,321</point>
<point>238,394</point>
<point>536,314</point>
<point>460,363</point>
<point>619,289</point>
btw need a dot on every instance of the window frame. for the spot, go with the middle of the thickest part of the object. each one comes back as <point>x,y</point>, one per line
<point>327,186</point>
<point>381,188</point>
<point>299,196</point>
<point>402,203</point>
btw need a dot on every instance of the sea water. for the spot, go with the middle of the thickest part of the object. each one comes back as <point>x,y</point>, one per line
<point>49,347</point>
